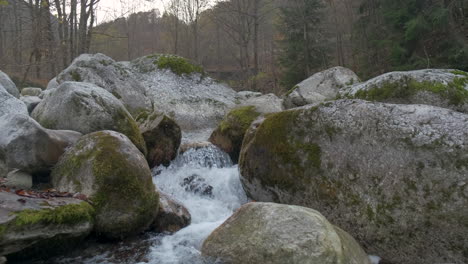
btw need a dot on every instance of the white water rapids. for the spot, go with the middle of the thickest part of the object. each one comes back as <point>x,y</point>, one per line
<point>208,212</point>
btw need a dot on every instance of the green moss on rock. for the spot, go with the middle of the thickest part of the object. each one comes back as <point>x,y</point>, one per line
<point>123,193</point>
<point>454,91</point>
<point>176,64</point>
<point>230,132</point>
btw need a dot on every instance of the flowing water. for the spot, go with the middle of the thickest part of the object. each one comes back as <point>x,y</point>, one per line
<point>213,168</point>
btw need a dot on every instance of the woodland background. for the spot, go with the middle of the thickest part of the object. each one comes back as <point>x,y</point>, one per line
<point>260,45</point>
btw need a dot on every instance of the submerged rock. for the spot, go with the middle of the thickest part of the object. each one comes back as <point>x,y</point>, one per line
<point>197,185</point>
<point>106,167</point>
<point>8,85</point>
<point>443,88</point>
<point>320,87</point>
<point>40,227</point>
<point>274,233</point>
<point>86,108</point>
<point>162,136</point>
<point>27,146</point>
<point>230,132</point>
<point>31,91</point>
<point>172,215</point>
<point>394,176</point>
<point>114,77</point>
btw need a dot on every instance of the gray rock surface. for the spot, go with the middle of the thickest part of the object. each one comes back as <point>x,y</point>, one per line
<point>172,215</point>
<point>27,146</point>
<point>19,180</point>
<point>9,85</point>
<point>320,87</point>
<point>268,103</point>
<point>393,176</point>
<point>52,84</point>
<point>106,167</point>
<point>31,102</point>
<point>277,234</point>
<point>31,91</point>
<point>10,104</point>
<point>443,88</point>
<point>86,108</point>
<point>28,224</point>
<point>193,101</point>
<point>114,77</point>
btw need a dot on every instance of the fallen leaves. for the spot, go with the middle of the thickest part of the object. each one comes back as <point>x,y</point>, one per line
<point>45,194</point>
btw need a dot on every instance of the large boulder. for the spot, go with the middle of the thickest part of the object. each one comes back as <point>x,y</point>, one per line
<point>230,132</point>
<point>86,108</point>
<point>106,167</point>
<point>162,136</point>
<point>394,176</point>
<point>265,103</point>
<point>116,78</point>
<point>320,87</point>
<point>443,88</point>
<point>8,85</point>
<point>52,84</point>
<point>277,234</point>
<point>10,104</point>
<point>27,146</point>
<point>180,90</point>
<point>172,215</point>
<point>34,226</point>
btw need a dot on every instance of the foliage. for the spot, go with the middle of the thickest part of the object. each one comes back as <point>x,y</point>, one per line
<point>412,34</point>
<point>177,65</point>
<point>303,47</point>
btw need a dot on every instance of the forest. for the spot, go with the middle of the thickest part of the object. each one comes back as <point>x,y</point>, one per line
<point>261,45</point>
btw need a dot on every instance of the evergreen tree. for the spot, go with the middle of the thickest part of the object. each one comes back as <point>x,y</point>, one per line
<point>414,34</point>
<point>303,45</point>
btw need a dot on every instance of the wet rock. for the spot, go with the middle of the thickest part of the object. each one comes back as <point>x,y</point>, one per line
<point>274,233</point>
<point>320,87</point>
<point>443,88</point>
<point>230,132</point>
<point>31,91</point>
<point>172,215</point>
<point>42,226</point>
<point>391,175</point>
<point>162,136</point>
<point>106,167</point>
<point>8,85</point>
<point>31,102</point>
<point>202,154</point>
<point>114,77</point>
<point>197,185</point>
<point>27,146</point>
<point>86,108</point>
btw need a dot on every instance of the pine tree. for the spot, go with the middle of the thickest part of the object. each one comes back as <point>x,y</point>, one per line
<point>303,45</point>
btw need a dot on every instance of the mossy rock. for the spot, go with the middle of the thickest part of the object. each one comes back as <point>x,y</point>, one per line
<point>111,171</point>
<point>443,88</point>
<point>389,174</point>
<point>162,136</point>
<point>31,227</point>
<point>87,108</point>
<point>230,132</point>
<point>178,65</point>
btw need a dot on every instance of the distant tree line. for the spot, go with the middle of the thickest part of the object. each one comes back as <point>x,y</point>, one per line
<point>263,45</point>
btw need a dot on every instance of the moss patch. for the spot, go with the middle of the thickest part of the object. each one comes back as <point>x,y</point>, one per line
<point>454,91</point>
<point>64,215</point>
<point>76,76</point>
<point>176,64</point>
